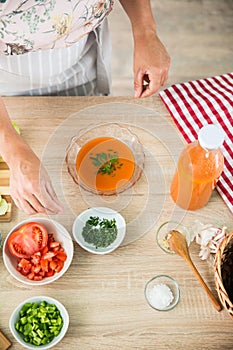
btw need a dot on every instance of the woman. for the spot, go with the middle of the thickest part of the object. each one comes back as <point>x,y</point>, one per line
<point>51,47</point>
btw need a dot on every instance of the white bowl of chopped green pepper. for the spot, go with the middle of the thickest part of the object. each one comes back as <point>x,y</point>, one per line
<point>39,322</point>
<point>99,230</point>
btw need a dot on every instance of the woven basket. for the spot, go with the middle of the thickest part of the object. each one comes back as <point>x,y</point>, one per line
<point>223,265</point>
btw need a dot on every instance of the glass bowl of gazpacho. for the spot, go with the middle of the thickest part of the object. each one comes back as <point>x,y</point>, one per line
<point>106,159</point>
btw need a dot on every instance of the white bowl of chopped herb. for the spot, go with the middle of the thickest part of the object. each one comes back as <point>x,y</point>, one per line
<point>99,230</point>
<point>39,322</point>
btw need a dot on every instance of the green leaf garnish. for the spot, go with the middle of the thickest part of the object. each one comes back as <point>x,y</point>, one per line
<point>107,163</point>
<point>100,232</point>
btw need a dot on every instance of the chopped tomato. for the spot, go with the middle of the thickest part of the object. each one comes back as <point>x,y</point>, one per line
<point>61,256</point>
<point>49,255</point>
<point>37,278</point>
<point>36,269</point>
<point>44,250</point>
<point>24,266</point>
<point>53,265</point>
<point>27,240</point>
<point>54,245</point>
<point>59,266</point>
<point>43,263</point>
<point>31,276</point>
<point>50,273</point>
<point>35,258</point>
<point>23,263</point>
<point>42,273</point>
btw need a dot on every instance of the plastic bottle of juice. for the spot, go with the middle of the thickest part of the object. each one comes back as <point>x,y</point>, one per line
<point>199,167</point>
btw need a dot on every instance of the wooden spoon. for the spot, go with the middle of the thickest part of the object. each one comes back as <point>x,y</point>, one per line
<point>178,244</point>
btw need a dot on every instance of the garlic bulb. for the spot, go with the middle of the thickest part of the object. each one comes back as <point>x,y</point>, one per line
<point>209,238</point>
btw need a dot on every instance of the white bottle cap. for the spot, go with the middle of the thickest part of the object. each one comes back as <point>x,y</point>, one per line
<point>211,136</point>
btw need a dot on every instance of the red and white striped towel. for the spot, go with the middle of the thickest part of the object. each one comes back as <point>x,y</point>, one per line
<point>203,101</point>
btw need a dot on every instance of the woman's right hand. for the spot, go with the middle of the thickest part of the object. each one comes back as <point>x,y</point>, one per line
<point>30,185</point>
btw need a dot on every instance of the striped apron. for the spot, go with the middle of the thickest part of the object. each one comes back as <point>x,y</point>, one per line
<point>81,69</point>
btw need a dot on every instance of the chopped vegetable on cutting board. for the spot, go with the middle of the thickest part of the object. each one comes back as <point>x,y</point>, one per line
<point>3,206</point>
<point>6,204</point>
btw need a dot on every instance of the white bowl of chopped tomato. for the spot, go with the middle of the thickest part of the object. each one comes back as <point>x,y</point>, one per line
<point>38,251</point>
<point>39,322</point>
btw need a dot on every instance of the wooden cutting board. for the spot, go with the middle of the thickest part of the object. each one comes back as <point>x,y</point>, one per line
<point>5,190</point>
<point>4,342</point>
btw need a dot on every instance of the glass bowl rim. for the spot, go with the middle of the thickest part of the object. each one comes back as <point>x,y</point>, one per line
<point>178,224</point>
<point>139,161</point>
<point>177,288</point>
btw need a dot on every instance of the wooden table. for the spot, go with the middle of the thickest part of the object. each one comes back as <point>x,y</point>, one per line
<point>104,295</point>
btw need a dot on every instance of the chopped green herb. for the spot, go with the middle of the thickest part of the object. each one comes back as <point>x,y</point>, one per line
<point>100,232</point>
<point>39,323</point>
<point>107,163</point>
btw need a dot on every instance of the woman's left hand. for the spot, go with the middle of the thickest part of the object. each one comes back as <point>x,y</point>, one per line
<point>151,64</point>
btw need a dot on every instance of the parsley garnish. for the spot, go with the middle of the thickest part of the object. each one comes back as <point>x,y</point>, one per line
<point>107,163</point>
<point>100,232</point>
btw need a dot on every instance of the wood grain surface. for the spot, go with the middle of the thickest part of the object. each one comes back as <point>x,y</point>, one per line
<point>104,295</point>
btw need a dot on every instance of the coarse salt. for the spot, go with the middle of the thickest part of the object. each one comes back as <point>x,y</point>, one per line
<point>160,296</point>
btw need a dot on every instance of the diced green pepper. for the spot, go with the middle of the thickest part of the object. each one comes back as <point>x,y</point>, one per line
<point>39,323</point>
<point>27,329</point>
<point>40,333</point>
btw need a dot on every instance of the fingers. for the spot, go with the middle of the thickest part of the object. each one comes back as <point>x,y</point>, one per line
<point>154,81</point>
<point>45,201</point>
<point>151,88</point>
<point>151,64</point>
<point>49,201</point>
<point>31,187</point>
<point>35,204</point>
<point>138,84</point>
<point>24,206</point>
<point>164,78</point>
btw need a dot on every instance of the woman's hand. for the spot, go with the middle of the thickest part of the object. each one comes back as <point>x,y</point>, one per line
<point>30,185</point>
<point>151,60</point>
<point>151,64</point>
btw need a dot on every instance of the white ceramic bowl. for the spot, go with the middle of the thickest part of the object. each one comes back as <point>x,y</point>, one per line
<point>15,317</point>
<point>101,212</point>
<point>60,234</point>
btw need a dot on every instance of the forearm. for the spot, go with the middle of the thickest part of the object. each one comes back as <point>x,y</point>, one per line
<point>151,60</point>
<point>10,141</point>
<point>140,15</point>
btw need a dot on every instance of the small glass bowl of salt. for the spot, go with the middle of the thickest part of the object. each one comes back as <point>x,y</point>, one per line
<point>162,293</point>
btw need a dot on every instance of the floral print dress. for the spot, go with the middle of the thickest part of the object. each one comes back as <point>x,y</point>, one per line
<point>47,26</point>
<point>27,25</point>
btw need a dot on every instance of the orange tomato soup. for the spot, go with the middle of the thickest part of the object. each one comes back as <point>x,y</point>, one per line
<point>105,164</point>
